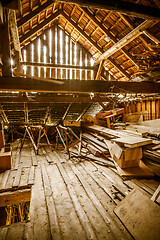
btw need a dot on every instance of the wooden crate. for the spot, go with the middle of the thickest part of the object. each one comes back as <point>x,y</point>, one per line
<point>5,160</point>
<point>126,157</point>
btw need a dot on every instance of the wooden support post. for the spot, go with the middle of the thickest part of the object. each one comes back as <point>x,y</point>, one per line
<point>15,37</point>
<point>61,138</point>
<point>5,46</point>
<point>99,70</point>
<point>66,112</point>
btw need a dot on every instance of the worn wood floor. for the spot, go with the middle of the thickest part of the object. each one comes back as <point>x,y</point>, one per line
<point>70,200</point>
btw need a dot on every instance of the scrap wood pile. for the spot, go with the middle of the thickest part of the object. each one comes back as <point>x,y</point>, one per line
<point>115,149</point>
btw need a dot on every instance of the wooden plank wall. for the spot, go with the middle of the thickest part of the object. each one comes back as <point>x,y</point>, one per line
<point>151,106</point>
<point>55,46</point>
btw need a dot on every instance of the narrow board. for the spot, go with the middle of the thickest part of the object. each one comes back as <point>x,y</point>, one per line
<point>141,171</point>
<point>133,142</point>
<point>140,215</point>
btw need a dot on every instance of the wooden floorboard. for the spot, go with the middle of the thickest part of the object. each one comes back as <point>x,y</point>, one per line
<point>69,199</point>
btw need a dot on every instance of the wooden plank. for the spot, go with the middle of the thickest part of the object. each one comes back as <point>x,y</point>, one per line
<point>15,231</point>
<point>141,171</point>
<point>106,190</point>
<point>34,30</point>
<point>53,218</point>
<point>31,176</point>
<point>80,211</point>
<point>113,228</point>
<point>71,86</point>
<point>129,8</point>
<point>4,180</point>
<point>17,177</point>
<point>9,198</point>
<point>144,223</point>
<point>133,142</point>
<point>39,223</point>
<point>156,194</point>
<point>34,13</point>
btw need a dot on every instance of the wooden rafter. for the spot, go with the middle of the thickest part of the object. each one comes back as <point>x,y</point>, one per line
<point>99,49</point>
<point>99,70</point>
<point>3,114</point>
<point>129,8</point>
<point>128,21</point>
<point>79,86</point>
<point>107,32</point>
<point>58,66</point>
<point>34,13</point>
<point>66,112</point>
<point>54,99</point>
<point>34,31</point>
<point>15,38</point>
<point>125,40</point>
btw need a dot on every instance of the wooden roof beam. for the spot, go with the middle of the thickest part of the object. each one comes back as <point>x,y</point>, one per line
<point>34,13</point>
<point>15,37</point>
<point>58,66</point>
<point>128,21</point>
<point>106,32</point>
<point>125,40</point>
<point>23,84</point>
<point>128,8</point>
<point>93,43</point>
<point>50,99</point>
<point>66,112</point>
<point>40,26</point>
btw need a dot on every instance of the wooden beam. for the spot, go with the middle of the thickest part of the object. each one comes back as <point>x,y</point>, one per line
<point>3,114</point>
<point>133,9</point>
<point>151,36</point>
<point>99,70</point>
<point>5,46</point>
<point>34,13</point>
<point>80,31</point>
<point>1,13</point>
<point>10,198</point>
<point>128,21</point>
<point>125,40</point>
<point>59,66</point>
<point>54,99</point>
<point>66,112</point>
<point>83,112</point>
<point>107,32</point>
<point>76,86</point>
<point>15,38</point>
<point>40,26</point>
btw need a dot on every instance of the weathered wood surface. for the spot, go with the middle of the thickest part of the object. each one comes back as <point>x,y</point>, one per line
<point>142,226</point>
<point>69,200</point>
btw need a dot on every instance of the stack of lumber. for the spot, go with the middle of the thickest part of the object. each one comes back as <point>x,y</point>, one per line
<point>5,151</point>
<point>125,150</point>
<point>110,115</point>
<point>92,148</point>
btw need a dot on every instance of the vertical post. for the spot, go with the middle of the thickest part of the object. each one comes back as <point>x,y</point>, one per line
<point>5,46</point>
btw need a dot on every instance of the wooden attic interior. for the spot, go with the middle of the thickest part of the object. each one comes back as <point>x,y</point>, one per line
<point>80,119</point>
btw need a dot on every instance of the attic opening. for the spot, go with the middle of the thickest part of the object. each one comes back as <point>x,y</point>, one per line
<point>14,207</point>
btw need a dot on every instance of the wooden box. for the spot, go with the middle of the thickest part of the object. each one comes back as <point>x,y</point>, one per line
<point>126,157</point>
<point>5,160</point>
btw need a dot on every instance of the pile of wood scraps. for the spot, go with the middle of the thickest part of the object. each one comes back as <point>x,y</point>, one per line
<point>110,116</point>
<point>125,151</point>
